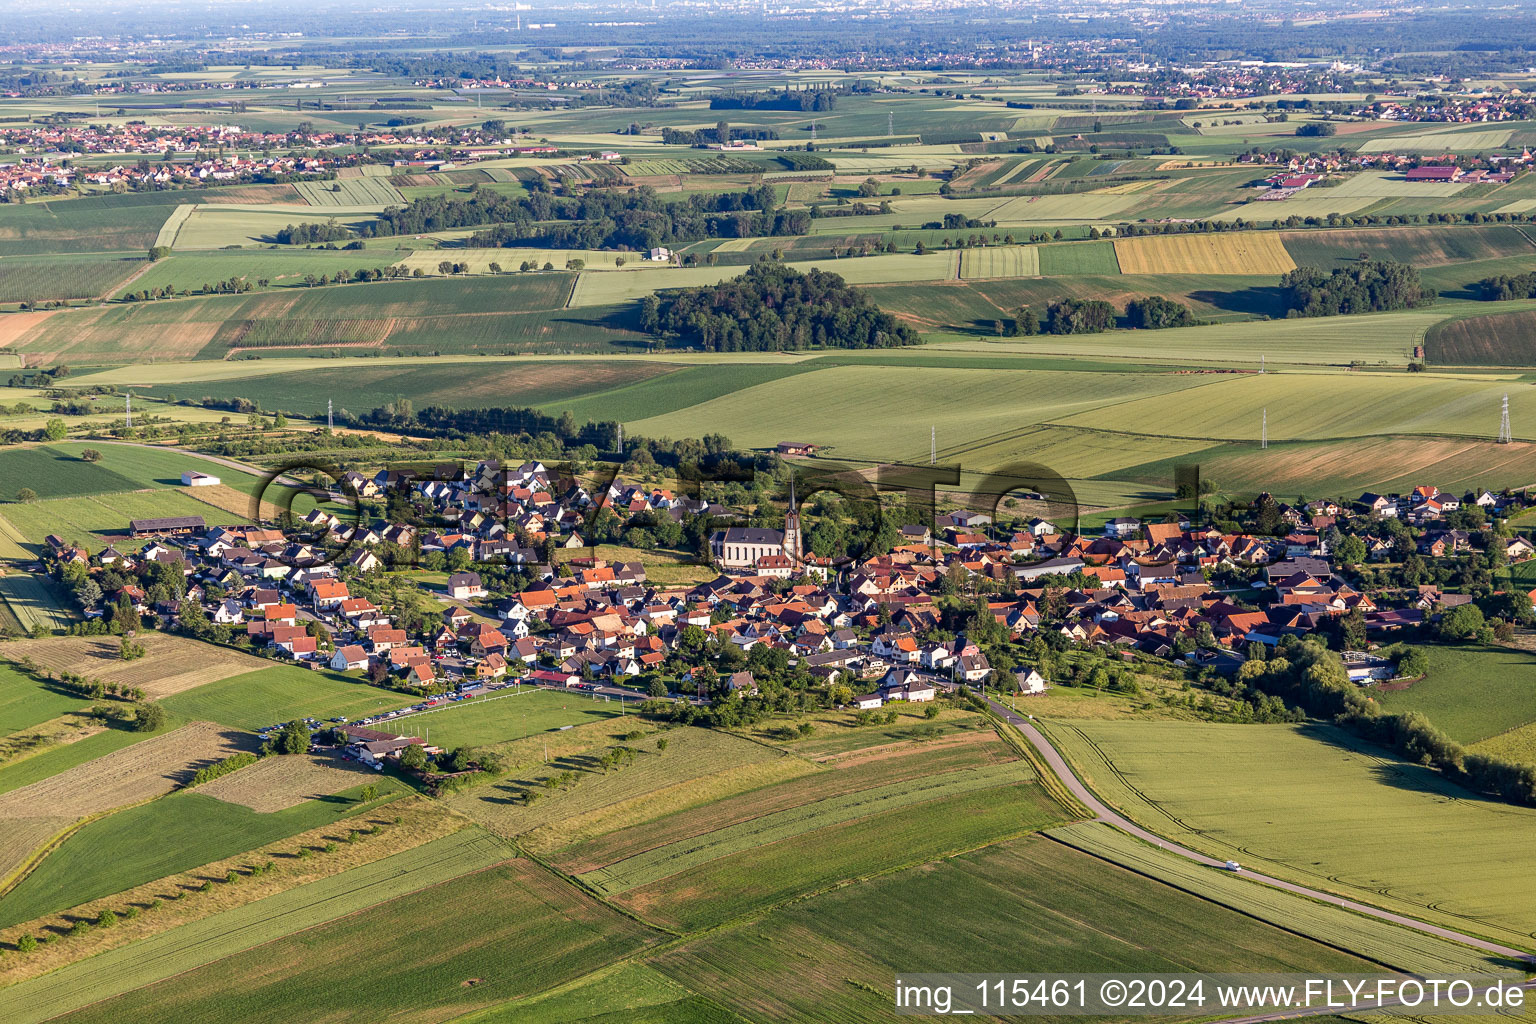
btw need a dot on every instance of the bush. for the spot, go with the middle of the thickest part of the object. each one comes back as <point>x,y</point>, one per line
<point>219,768</point>
<point>106,919</point>
<point>148,717</point>
<point>27,943</point>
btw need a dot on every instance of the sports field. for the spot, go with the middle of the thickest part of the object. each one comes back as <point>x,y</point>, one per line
<point>1319,807</point>
<point>1246,252</point>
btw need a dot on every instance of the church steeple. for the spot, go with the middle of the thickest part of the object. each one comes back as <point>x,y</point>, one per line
<point>792,524</point>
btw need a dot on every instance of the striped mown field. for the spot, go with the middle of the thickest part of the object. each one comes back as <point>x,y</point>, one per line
<point>1012,261</point>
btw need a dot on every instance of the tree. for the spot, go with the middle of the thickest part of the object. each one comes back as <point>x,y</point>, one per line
<point>294,739</point>
<point>1463,622</point>
<point>90,455</point>
<point>1350,550</point>
<point>1155,313</point>
<point>413,757</point>
<point>1079,316</point>
<point>149,716</point>
<point>26,495</point>
<point>1413,663</point>
<point>158,252</point>
<point>56,430</point>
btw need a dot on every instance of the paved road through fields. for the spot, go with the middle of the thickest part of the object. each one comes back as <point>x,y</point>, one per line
<point>1103,812</point>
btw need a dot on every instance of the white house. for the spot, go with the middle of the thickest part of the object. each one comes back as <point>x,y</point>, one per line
<point>1030,682</point>
<point>349,658</point>
<point>660,254</point>
<point>192,478</point>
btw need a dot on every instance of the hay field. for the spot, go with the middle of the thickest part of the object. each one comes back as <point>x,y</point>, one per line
<point>33,602</point>
<point>600,288</point>
<point>146,769</point>
<point>1248,252</point>
<point>172,226</point>
<point>1076,208</point>
<point>1319,807</point>
<point>1012,261</point>
<point>274,783</point>
<point>172,665</point>
<point>228,499</point>
<point>359,191</point>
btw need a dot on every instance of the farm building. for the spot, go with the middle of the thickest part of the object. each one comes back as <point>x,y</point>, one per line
<point>166,526</point>
<point>795,449</point>
<point>192,478</point>
<point>1437,172</point>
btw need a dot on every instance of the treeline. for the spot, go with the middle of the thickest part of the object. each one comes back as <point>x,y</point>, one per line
<point>233,762</point>
<point>1372,286</point>
<point>772,308</point>
<point>1503,287</point>
<point>818,99</point>
<point>1094,316</point>
<point>599,219</point>
<point>1307,674</point>
<point>705,136</point>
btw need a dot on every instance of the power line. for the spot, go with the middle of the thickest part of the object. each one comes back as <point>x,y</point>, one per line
<point>1505,434</point>
<point>1264,428</point>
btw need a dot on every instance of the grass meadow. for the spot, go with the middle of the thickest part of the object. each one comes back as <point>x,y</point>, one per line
<point>1472,692</point>
<point>1313,804</point>
<point>271,695</point>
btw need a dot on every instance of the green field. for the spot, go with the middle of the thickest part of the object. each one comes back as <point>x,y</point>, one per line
<point>686,855</point>
<point>126,223</point>
<point>364,191</point>
<point>1495,339</point>
<point>1320,808</point>
<point>1078,258</point>
<point>57,473</point>
<point>42,278</point>
<point>25,702</point>
<point>280,267</point>
<point>34,601</point>
<point>1423,247</point>
<point>503,717</point>
<point>271,695</point>
<point>495,314</point>
<point>830,958</point>
<point>557,385</point>
<point>162,837</point>
<point>1384,943</point>
<point>103,519</point>
<point>202,942</point>
<point>411,959</point>
<point>848,407</point>
<point>746,882</point>
<point>1472,692</point>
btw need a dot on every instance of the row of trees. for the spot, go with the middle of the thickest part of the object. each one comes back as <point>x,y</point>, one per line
<point>1094,316</point>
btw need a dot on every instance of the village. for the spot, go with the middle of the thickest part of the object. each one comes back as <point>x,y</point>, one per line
<point>523,599</point>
